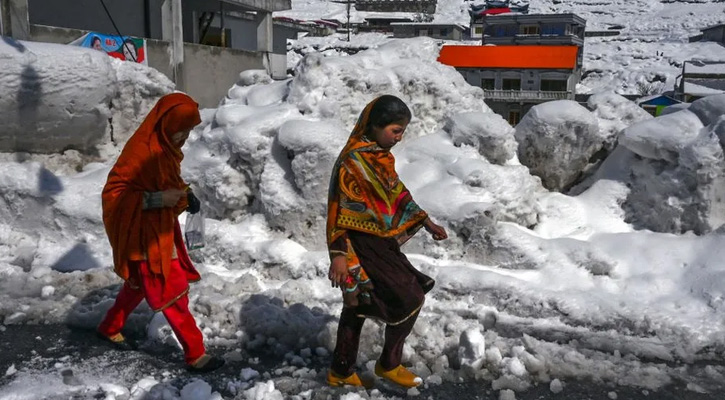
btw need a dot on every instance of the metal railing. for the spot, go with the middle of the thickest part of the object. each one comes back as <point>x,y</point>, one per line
<point>526,95</point>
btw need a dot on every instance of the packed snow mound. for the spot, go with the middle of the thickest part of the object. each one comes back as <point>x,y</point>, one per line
<point>336,87</point>
<point>709,109</point>
<point>138,89</point>
<point>53,100</point>
<point>557,141</point>
<point>615,113</point>
<point>59,97</point>
<point>273,144</point>
<point>675,168</point>
<point>459,187</point>
<point>489,133</point>
<point>662,138</point>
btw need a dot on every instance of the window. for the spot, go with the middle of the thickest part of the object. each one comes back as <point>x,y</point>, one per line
<point>502,31</point>
<point>514,117</point>
<point>553,85</point>
<point>511,84</point>
<point>444,32</point>
<point>213,37</point>
<point>478,30</point>
<point>488,84</point>
<point>551,29</point>
<point>530,29</point>
<point>423,32</point>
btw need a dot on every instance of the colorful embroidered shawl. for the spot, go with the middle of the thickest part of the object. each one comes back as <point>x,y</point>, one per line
<point>366,195</point>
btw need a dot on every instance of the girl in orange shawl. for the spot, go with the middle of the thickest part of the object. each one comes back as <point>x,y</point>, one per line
<point>142,198</point>
<point>370,214</point>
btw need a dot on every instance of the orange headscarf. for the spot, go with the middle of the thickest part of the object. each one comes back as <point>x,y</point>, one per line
<point>150,162</point>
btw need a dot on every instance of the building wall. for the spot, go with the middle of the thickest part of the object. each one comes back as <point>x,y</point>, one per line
<point>436,32</point>
<point>511,112</point>
<point>208,71</point>
<point>421,6</point>
<point>530,79</point>
<point>714,35</point>
<point>530,31</point>
<point>90,15</point>
<point>244,34</point>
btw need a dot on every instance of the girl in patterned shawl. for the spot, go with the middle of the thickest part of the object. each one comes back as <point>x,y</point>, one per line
<point>370,214</point>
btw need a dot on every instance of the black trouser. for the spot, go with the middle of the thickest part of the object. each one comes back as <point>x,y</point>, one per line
<point>348,341</point>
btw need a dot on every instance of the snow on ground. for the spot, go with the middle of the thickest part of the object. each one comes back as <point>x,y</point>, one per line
<point>532,286</point>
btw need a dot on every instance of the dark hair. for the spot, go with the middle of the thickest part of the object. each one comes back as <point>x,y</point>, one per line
<point>131,42</point>
<point>94,38</point>
<point>388,109</point>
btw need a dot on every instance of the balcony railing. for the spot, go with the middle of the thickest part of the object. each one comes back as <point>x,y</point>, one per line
<point>526,95</point>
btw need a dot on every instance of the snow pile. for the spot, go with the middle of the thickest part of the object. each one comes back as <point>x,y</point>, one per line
<point>615,113</point>
<point>662,138</point>
<point>557,140</point>
<point>59,97</point>
<point>675,167</point>
<point>489,133</point>
<point>272,146</point>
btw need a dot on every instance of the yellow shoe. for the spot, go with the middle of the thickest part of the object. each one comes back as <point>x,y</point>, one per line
<point>336,380</point>
<point>400,375</point>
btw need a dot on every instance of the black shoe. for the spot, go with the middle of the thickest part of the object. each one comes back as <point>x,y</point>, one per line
<point>118,342</point>
<point>206,363</point>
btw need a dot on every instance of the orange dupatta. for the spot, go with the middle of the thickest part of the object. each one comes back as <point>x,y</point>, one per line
<point>149,162</point>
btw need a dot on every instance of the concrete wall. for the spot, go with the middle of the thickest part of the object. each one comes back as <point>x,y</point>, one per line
<point>90,15</point>
<point>244,34</point>
<point>51,34</point>
<point>208,71</point>
<point>142,18</point>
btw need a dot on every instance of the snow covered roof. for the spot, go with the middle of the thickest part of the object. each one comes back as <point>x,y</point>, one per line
<point>533,57</point>
<point>692,68</point>
<point>430,24</point>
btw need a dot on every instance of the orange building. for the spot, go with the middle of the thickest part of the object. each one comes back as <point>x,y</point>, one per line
<point>515,78</point>
<point>524,59</point>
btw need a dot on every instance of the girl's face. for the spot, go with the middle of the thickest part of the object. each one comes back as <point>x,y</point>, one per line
<point>390,135</point>
<point>180,137</point>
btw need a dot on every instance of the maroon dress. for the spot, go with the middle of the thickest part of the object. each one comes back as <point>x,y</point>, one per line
<point>398,288</point>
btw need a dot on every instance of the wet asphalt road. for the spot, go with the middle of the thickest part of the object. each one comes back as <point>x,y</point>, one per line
<point>40,347</point>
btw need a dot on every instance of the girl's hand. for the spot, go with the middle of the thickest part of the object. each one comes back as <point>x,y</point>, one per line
<point>338,271</point>
<point>437,231</point>
<point>171,197</point>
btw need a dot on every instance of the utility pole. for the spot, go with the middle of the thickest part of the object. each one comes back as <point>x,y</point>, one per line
<point>349,4</point>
